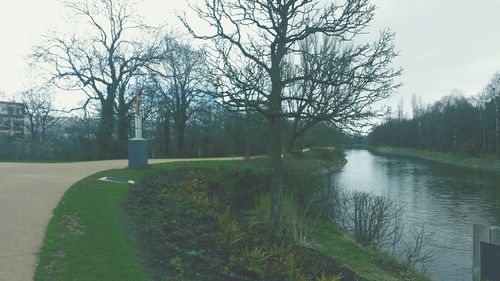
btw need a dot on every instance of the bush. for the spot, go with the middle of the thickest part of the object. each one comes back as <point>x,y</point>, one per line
<point>372,220</point>
<point>239,188</point>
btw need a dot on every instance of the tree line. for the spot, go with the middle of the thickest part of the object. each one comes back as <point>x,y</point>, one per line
<point>458,124</point>
<point>212,131</point>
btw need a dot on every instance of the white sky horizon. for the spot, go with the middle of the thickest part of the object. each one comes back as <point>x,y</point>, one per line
<point>445,45</point>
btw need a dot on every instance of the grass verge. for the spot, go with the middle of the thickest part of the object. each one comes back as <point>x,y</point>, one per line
<point>368,263</point>
<point>85,239</point>
<point>486,163</point>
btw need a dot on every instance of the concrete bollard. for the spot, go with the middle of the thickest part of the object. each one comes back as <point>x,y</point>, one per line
<point>481,233</point>
<point>495,235</point>
<point>137,153</point>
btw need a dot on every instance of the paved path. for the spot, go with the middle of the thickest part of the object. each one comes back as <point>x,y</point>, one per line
<point>28,194</point>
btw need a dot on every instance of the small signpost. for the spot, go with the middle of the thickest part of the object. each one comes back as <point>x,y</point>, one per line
<point>486,253</point>
<point>137,146</point>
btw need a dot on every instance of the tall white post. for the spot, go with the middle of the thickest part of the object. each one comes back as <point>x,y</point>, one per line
<point>138,126</point>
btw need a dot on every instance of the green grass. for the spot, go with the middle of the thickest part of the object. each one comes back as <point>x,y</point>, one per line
<point>368,263</point>
<point>85,239</point>
<point>489,163</point>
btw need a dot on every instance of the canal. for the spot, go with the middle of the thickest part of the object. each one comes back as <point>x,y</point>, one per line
<point>448,200</point>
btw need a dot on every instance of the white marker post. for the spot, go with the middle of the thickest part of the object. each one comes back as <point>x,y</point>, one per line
<point>138,119</point>
<point>137,147</point>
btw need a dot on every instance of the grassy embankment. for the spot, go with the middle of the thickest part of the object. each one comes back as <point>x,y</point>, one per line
<point>487,163</point>
<point>85,239</point>
<point>199,221</point>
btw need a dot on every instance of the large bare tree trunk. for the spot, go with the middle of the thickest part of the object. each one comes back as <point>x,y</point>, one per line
<point>276,216</point>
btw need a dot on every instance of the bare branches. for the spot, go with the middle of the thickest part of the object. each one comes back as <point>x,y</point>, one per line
<point>339,84</point>
<point>414,250</point>
<point>39,111</point>
<point>335,80</point>
<point>372,220</point>
<point>102,57</point>
<point>180,80</point>
<point>110,47</point>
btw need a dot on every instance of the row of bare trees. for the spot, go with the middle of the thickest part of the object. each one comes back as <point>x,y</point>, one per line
<point>452,124</point>
<point>115,55</point>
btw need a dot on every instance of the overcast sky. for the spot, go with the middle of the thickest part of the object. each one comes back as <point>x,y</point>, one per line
<point>444,44</point>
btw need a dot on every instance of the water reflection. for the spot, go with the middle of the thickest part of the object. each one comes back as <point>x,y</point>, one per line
<point>448,200</point>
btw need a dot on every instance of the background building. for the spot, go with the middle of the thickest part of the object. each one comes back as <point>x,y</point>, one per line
<point>12,119</point>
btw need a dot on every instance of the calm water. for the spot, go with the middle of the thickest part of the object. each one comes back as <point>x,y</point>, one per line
<point>447,200</point>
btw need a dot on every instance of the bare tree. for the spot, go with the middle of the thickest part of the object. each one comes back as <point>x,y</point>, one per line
<point>479,102</point>
<point>415,248</point>
<point>492,91</point>
<point>156,116</point>
<point>39,111</point>
<point>252,44</point>
<point>180,78</point>
<point>101,60</point>
<point>417,110</point>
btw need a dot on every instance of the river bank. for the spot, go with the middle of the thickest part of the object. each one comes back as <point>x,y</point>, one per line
<point>201,220</point>
<point>484,163</point>
<point>224,215</point>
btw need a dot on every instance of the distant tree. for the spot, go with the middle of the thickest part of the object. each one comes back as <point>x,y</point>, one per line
<point>107,49</point>
<point>156,117</point>
<point>452,124</point>
<point>356,78</point>
<point>39,111</point>
<point>479,102</point>
<point>255,44</point>
<point>492,91</point>
<point>180,78</point>
<point>417,111</point>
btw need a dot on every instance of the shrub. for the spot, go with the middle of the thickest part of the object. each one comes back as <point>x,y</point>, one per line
<point>230,233</point>
<point>372,220</point>
<point>240,188</point>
